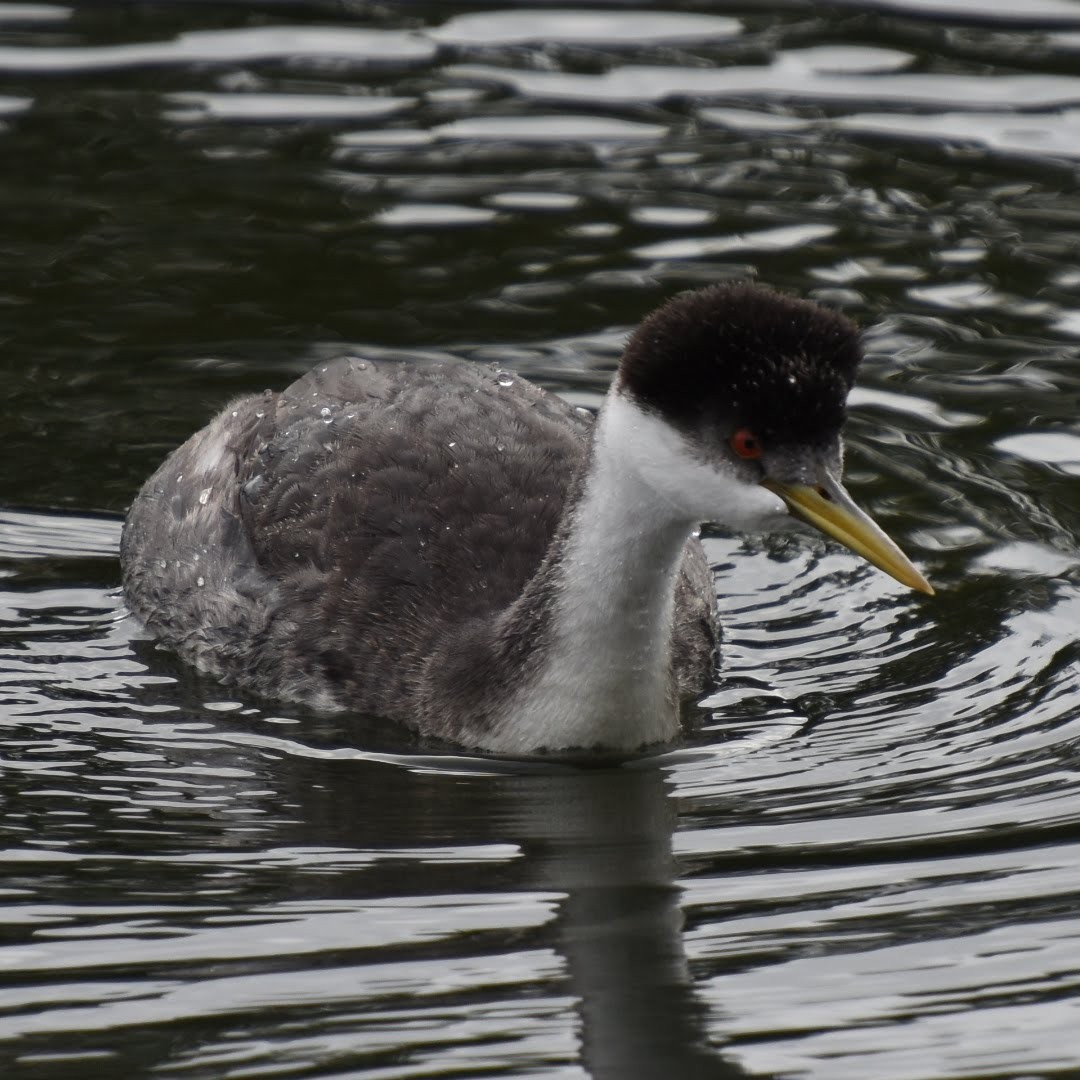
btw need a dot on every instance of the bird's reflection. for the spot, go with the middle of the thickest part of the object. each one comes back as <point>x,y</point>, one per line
<point>604,839</point>
<point>600,839</point>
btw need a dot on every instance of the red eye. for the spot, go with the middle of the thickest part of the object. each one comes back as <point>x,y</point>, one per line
<point>745,443</point>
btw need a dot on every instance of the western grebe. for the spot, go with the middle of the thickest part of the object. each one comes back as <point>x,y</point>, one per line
<point>450,547</point>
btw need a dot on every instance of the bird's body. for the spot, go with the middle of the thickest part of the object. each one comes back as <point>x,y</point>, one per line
<point>453,548</point>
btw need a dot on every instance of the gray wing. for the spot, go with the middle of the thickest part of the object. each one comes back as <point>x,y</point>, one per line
<point>305,538</point>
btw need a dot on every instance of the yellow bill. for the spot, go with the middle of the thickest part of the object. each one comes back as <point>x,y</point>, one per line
<point>828,507</point>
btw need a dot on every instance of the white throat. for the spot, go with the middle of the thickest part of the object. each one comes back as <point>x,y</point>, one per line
<point>606,677</point>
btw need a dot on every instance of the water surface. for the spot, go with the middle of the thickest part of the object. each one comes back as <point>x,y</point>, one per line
<point>865,862</point>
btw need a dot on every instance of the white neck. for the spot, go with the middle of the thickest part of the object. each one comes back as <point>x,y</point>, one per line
<point>605,678</point>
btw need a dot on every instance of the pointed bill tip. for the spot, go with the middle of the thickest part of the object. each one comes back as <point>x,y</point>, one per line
<point>830,509</point>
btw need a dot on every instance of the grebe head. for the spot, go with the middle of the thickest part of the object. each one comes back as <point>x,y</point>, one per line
<point>731,395</point>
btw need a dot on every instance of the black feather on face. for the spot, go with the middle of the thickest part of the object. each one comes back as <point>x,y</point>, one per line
<point>743,356</point>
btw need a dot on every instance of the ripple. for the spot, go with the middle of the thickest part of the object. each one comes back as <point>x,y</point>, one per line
<point>272,107</point>
<point>789,76</point>
<point>601,28</point>
<point>559,129</point>
<point>783,238</point>
<point>417,215</point>
<point>11,105</point>
<point>911,405</point>
<point>1052,134</point>
<point>227,47</point>
<point>1056,449</point>
<point>1038,13</point>
<point>34,13</point>
<point>272,931</point>
<point>30,535</point>
<point>401,999</point>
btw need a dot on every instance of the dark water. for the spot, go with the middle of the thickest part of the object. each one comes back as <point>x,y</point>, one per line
<point>868,866</point>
